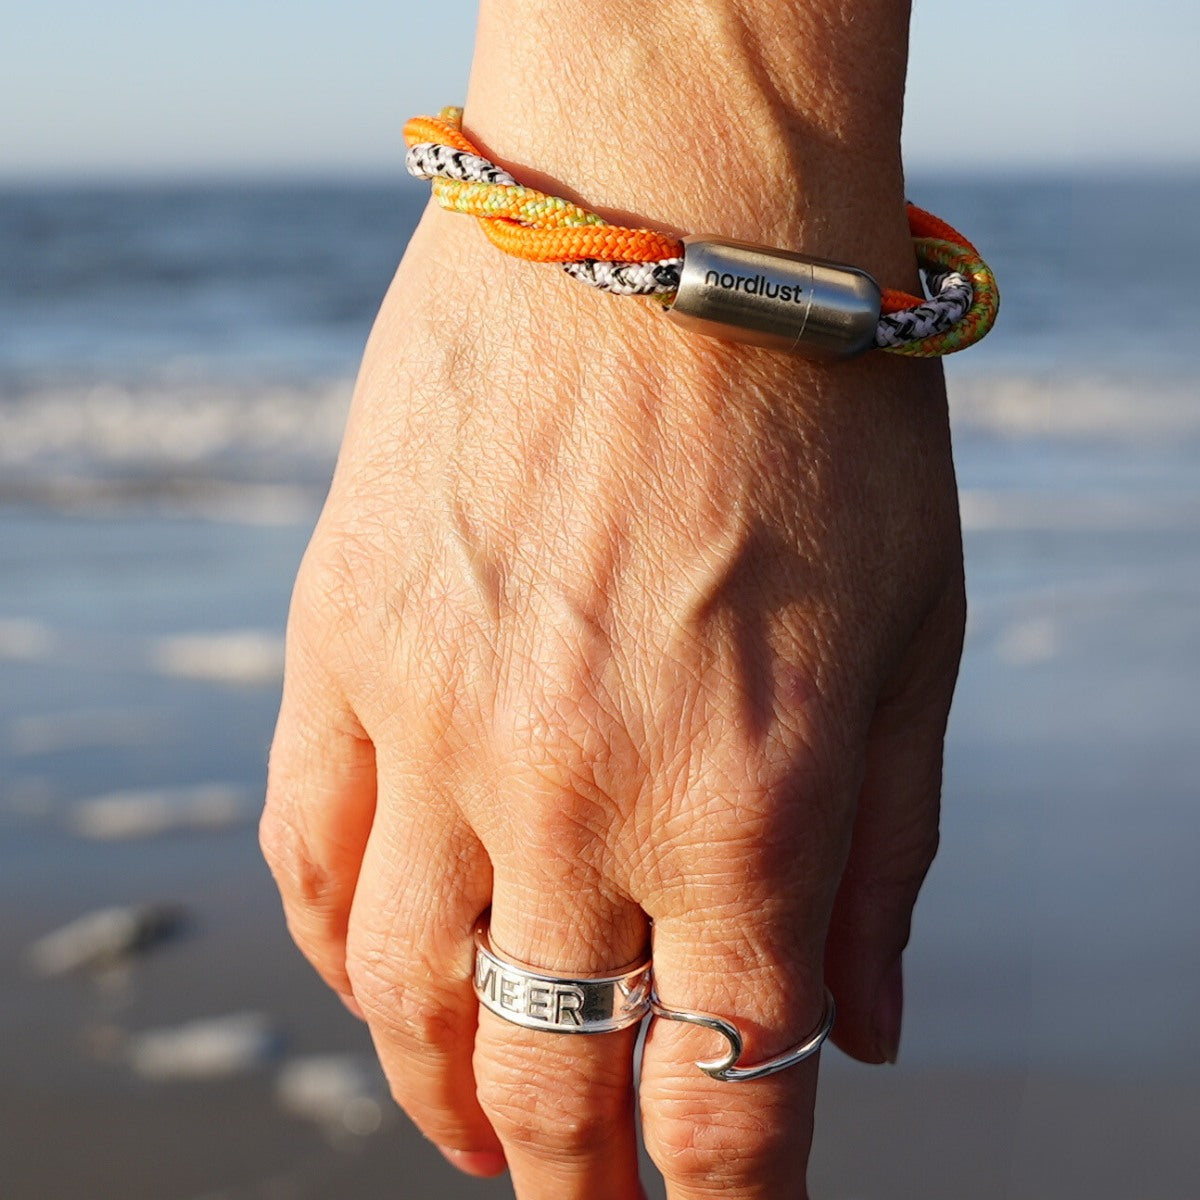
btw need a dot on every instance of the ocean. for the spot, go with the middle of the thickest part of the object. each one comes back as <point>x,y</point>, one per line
<point>175,366</point>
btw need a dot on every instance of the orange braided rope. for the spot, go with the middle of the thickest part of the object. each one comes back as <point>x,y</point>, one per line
<point>539,227</point>
<point>611,243</point>
<point>437,129</point>
<point>891,300</point>
<point>573,242</point>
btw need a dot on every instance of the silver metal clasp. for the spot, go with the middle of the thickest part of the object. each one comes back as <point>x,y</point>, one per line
<point>767,297</point>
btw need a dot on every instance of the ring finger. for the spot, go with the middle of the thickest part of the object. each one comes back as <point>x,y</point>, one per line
<point>562,1106</point>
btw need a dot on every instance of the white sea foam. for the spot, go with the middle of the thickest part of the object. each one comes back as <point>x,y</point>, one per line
<point>1128,410</point>
<point>189,429</point>
<point>246,656</point>
<point>343,1093</point>
<point>170,424</point>
<point>211,1048</point>
<point>1029,641</point>
<point>105,939</point>
<point>25,640</point>
<point>47,733</point>
<point>120,816</point>
<point>226,500</point>
<point>237,657</point>
<point>991,511</point>
<point>246,503</point>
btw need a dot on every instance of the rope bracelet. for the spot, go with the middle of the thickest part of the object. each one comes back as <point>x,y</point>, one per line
<point>731,290</point>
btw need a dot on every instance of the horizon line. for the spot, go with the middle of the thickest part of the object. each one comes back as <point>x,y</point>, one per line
<point>333,174</point>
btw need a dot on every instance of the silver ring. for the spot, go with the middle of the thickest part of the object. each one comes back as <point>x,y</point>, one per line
<point>535,999</point>
<point>724,1068</point>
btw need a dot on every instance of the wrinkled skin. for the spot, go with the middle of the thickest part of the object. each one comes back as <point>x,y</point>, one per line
<point>607,624</point>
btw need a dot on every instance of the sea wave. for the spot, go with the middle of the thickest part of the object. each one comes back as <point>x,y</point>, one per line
<point>1116,511</point>
<point>244,656</point>
<point>1129,408</point>
<point>186,428</point>
<point>264,451</point>
<point>229,657</point>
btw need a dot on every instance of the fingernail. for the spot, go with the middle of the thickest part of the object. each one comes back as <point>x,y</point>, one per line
<point>352,1005</point>
<point>482,1163</point>
<point>889,1013</point>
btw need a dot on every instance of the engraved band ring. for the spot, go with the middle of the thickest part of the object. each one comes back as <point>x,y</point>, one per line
<point>589,1004</point>
<point>537,1000</point>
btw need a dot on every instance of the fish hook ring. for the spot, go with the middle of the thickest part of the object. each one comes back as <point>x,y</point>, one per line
<point>725,1068</point>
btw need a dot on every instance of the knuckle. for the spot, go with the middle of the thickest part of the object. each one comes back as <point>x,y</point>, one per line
<point>557,1112</point>
<point>740,1150</point>
<point>312,901</point>
<point>420,1035</point>
<point>438,1117</point>
<point>902,859</point>
<point>349,590</point>
<point>413,1017</point>
<point>566,836</point>
<point>276,841</point>
<point>566,739</point>
<point>336,576</point>
<point>755,838</point>
<point>301,879</point>
<point>565,816</point>
<point>924,851</point>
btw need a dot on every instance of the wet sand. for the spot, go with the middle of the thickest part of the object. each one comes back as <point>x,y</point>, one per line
<point>994,1095</point>
<point>78,1122</point>
<point>1051,1048</point>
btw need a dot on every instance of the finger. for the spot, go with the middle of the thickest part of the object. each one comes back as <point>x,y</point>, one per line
<point>740,1139</point>
<point>894,841</point>
<point>425,879</point>
<point>319,808</point>
<point>562,1105</point>
<point>739,933</point>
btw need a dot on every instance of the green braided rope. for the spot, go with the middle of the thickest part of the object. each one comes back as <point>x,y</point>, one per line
<point>514,201</point>
<point>936,254</point>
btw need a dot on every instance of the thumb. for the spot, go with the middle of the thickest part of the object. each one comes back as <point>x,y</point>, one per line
<point>894,841</point>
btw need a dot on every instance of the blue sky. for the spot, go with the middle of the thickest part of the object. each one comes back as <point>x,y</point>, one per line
<point>157,87</point>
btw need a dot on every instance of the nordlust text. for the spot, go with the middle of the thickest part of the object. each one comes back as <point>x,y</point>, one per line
<point>754,285</point>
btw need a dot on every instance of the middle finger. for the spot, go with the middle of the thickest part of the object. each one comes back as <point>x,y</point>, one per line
<point>562,1105</point>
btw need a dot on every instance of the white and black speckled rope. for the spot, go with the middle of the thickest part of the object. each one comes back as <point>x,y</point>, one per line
<point>432,158</point>
<point>950,299</point>
<point>660,278</point>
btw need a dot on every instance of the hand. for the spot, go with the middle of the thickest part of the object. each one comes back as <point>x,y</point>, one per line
<point>607,624</point>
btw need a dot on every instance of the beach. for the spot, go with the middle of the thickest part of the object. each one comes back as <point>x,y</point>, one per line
<point>174,371</point>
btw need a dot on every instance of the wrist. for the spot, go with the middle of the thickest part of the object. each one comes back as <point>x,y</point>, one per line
<point>772,123</point>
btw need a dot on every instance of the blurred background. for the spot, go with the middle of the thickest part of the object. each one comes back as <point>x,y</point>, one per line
<point>200,209</point>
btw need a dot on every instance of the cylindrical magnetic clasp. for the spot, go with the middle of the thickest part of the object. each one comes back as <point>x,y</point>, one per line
<point>745,293</point>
